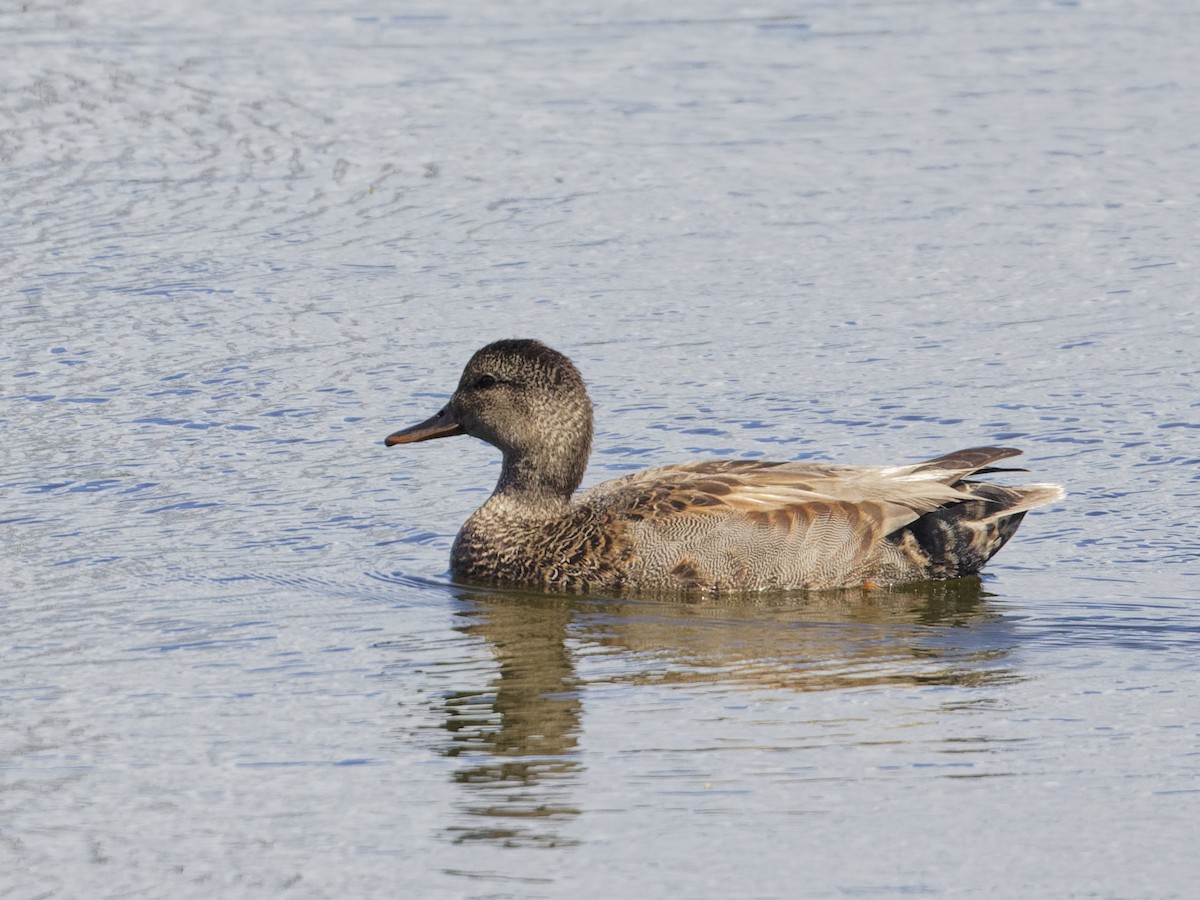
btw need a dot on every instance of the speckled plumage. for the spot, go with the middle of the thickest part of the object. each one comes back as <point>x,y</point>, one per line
<point>718,525</point>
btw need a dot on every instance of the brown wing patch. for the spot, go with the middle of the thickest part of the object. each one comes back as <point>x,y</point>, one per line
<point>712,486</point>
<point>675,496</point>
<point>759,517</point>
<point>686,573</point>
<point>783,519</point>
<point>786,519</point>
<point>851,514</point>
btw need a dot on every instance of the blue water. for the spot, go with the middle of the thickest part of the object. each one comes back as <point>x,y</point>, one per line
<point>243,244</point>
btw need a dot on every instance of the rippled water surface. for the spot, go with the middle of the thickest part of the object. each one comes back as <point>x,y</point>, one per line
<point>244,242</point>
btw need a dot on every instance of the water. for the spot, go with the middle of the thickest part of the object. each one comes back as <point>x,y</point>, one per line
<point>242,244</point>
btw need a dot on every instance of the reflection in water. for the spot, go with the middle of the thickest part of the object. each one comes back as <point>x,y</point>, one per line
<point>521,733</point>
<point>520,736</point>
<point>929,633</point>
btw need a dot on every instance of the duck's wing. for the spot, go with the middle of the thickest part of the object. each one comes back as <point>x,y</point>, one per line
<point>890,496</point>
<point>724,522</point>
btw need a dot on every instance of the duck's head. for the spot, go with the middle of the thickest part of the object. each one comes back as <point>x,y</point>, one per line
<point>529,401</point>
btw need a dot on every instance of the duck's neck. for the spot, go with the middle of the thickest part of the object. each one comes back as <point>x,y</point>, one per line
<point>543,464</point>
<point>540,484</point>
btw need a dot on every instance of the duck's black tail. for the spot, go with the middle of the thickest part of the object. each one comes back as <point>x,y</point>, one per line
<point>957,539</point>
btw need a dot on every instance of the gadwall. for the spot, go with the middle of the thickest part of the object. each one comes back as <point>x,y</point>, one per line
<point>715,525</point>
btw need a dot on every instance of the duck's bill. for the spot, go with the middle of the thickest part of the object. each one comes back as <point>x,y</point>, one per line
<point>441,425</point>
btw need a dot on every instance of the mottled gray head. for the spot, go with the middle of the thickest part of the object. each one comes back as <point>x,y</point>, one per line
<point>528,400</point>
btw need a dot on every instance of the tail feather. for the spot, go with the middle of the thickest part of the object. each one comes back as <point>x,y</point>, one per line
<point>1027,496</point>
<point>966,462</point>
<point>959,538</point>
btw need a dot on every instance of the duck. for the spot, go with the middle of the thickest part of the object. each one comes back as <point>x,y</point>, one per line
<point>711,526</point>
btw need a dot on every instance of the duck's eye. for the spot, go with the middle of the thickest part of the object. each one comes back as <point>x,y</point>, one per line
<point>485,381</point>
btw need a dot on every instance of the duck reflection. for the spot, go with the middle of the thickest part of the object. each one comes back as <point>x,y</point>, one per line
<point>520,736</point>
<point>930,633</point>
